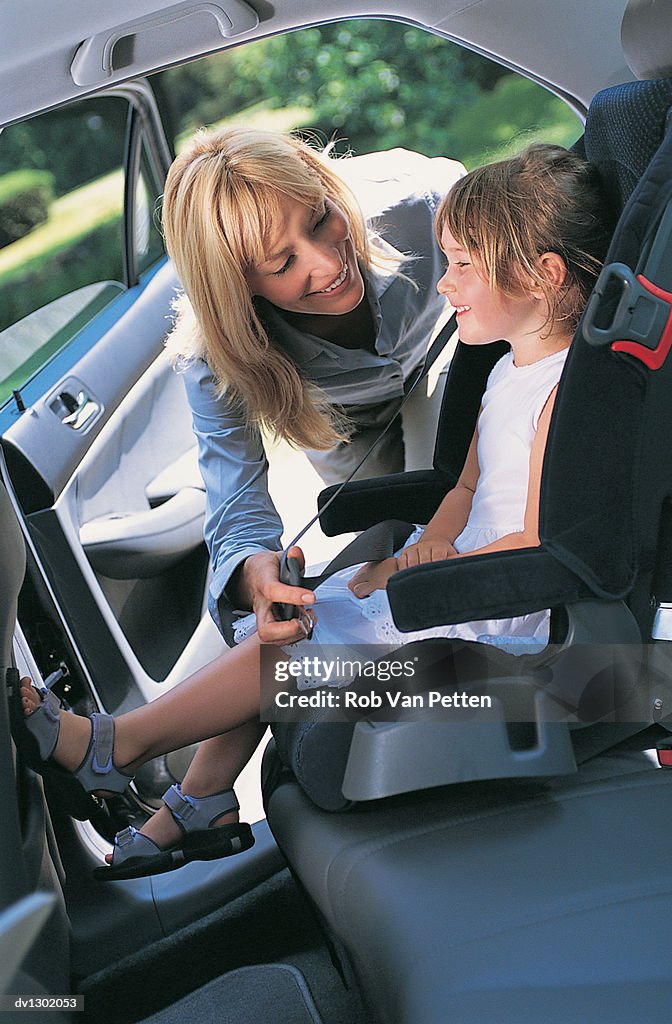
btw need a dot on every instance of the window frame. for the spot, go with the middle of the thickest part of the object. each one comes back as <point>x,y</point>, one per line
<point>144,128</point>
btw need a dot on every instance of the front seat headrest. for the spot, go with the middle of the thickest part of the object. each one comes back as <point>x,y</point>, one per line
<point>646,38</point>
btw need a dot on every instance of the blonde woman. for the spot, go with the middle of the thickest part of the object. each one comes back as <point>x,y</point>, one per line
<point>308,304</point>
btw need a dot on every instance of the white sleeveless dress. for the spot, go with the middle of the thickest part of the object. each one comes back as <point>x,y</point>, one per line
<point>512,403</point>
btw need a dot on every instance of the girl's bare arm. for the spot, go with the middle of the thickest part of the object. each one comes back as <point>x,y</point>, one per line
<point>436,542</point>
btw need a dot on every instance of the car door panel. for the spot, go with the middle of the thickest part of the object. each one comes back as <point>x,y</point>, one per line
<point>28,858</point>
<point>148,562</point>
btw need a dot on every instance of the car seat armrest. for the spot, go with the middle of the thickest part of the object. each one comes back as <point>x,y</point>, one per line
<point>491,586</point>
<point>413,497</point>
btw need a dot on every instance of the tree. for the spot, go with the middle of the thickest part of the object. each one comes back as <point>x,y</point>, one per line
<point>373,84</point>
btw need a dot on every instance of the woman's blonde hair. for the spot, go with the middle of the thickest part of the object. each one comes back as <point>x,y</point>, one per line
<point>222,202</point>
<point>545,199</point>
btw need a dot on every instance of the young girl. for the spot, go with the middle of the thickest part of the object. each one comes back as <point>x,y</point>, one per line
<point>523,239</point>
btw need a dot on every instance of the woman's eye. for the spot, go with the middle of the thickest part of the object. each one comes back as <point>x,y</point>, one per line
<point>285,267</point>
<point>325,216</point>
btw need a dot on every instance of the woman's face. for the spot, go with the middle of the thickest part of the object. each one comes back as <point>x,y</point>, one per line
<point>310,265</point>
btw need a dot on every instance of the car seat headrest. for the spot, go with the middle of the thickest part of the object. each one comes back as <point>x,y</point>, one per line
<point>624,128</point>
<point>646,38</point>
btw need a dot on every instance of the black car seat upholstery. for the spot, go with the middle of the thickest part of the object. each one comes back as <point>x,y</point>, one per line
<point>603,504</point>
<point>521,899</point>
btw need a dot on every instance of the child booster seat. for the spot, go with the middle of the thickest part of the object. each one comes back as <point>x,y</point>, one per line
<point>604,520</point>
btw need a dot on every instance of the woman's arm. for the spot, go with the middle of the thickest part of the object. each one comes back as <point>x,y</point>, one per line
<point>242,527</point>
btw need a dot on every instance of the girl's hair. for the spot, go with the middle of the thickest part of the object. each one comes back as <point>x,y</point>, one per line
<point>545,199</point>
<point>222,202</point>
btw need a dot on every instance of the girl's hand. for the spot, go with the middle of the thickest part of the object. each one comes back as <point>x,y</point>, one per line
<point>425,551</point>
<point>372,576</point>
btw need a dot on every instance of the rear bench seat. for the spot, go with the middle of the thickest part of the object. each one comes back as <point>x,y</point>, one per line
<point>499,900</point>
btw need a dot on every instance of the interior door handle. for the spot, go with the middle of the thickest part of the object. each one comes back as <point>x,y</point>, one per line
<point>79,409</point>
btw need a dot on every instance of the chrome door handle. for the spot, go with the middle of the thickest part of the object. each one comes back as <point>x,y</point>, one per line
<point>84,408</point>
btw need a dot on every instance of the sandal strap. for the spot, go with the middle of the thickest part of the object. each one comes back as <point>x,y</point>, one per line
<point>132,843</point>
<point>194,813</point>
<point>102,736</point>
<point>45,722</point>
<point>97,770</point>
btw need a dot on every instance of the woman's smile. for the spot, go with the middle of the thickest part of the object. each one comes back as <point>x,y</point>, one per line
<point>338,282</point>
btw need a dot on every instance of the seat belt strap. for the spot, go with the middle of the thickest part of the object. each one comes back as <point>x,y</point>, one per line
<point>373,545</point>
<point>368,545</point>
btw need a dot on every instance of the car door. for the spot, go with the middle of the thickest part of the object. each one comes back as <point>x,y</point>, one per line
<point>26,859</point>
<point>96,436</point>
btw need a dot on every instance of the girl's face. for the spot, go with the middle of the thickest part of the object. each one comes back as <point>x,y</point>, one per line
<point>310,266</point>
<point>483,314</point>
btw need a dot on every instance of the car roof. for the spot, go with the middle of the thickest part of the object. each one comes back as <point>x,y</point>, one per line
<point>52,53</point>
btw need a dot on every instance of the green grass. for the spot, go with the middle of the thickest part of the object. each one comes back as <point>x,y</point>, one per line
<point>71,218</point>
<point>514,114</point>
<point>82,211</point>
<point>21,181</point>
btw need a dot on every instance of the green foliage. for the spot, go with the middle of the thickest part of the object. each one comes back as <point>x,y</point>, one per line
<point>95,257</point>
<point>25,197</point>
<point>371,84</point>
<point>76,144</point>
<point>206,91</point>
<point>515,113</point>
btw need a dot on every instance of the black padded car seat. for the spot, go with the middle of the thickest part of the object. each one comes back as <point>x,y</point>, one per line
<point>524,900</point>
<point>605,488</point>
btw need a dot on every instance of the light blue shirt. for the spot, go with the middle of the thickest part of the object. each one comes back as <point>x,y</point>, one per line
<point>399,192</point>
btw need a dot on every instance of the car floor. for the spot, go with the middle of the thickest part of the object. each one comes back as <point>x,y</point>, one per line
<point>273,923</point>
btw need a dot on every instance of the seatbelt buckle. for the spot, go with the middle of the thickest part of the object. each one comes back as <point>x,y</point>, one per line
<point>641,324</point>
<point>290,573</point>
<point>664,753</point>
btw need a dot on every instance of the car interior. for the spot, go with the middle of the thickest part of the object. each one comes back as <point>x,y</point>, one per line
<point>412,871</point>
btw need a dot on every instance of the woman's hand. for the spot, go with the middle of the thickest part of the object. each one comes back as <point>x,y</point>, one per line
<point>425,551</point>
<point>372,576</point>
<point>261,586</point>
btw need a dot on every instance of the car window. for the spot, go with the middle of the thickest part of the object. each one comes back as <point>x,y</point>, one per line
<point>365,85</point>
<point>63,252</point>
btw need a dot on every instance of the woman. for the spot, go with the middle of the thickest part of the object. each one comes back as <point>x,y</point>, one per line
<point>308,305</point>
